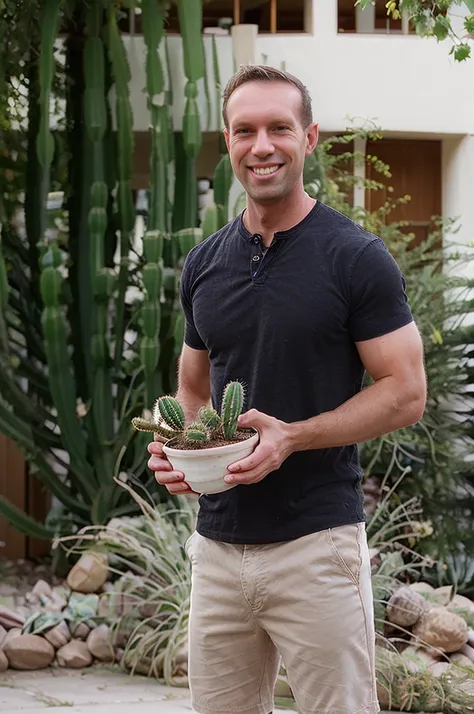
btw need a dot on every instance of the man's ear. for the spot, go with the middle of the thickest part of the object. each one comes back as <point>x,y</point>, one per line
<point>226,137</point>
<point>312,136</point>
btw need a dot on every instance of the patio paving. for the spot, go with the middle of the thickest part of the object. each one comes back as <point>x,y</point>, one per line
<point>97,690</point>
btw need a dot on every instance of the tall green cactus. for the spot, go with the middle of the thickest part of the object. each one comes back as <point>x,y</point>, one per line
<point>86,374</point>
<point>190,22</point>
<point>122,76</point>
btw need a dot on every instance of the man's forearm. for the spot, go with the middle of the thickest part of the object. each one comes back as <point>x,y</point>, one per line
<point>191,402</point>
<point>376,410</point>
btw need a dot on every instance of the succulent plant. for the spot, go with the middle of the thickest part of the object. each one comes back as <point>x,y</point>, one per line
<point>168,418</point>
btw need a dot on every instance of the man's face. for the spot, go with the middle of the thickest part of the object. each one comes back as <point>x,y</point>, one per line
<point>266,140</point>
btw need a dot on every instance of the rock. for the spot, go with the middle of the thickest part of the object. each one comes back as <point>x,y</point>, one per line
<point>422,588</point>
<point>29,652</point>
<point>470,638</point>
<point>99,644</point>
<point>42,589</point>
<point>180,668</point>
<point>114,604</point>
<point>75,654</point>
<point>3,661</point>
<point>461,659</point>
<point>405,607</point>
<point>468,652</point>
<point>81,631</point>
<point>441,629</point>
<point>3,634</point>
<point>89,573</point>
<point>10,619</point>
<point>439,668</point>
<point>11,634</point>
<point>461,605</point>
<point>418,658</point>
<point>59,635</point>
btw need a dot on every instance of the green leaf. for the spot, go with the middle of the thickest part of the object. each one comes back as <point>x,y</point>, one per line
<point>462,52</point>
<point>441,28</point>
<point>363,3</point>
<point>25,524</point>
<point>469,24</point>
<point>470,5</point>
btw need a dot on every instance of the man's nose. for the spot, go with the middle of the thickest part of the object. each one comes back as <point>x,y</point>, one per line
<point>262,145</point>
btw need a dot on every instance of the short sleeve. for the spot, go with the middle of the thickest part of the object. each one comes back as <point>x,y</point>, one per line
<point>191,335</point>
<point>379,303</point>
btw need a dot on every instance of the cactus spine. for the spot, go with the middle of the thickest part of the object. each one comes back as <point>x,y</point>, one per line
<point>232,402</point>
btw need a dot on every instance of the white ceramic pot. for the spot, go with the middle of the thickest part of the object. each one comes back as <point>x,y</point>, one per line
<point>204,469</point>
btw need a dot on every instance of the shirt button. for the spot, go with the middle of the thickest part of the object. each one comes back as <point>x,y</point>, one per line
<point>256,258</point>
<point>256,240</point>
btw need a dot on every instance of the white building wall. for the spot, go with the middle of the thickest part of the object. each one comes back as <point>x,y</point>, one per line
<point>402,82</point>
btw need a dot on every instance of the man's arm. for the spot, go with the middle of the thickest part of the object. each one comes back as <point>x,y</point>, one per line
<point>194,388</point>
<point>395,400</point>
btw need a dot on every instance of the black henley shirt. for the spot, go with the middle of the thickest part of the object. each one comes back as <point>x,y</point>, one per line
<point>285,324</point>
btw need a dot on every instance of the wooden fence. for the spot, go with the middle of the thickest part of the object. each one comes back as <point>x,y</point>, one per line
<point>25,492</point>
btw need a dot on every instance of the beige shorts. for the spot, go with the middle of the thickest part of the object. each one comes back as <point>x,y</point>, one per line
<point>306,601</point>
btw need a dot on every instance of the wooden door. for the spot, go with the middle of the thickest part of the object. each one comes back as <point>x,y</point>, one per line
<point>415,165</point>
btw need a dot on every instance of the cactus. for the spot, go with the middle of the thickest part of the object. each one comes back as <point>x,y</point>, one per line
<point>167,410</point>
<point>209,417</point>
<point>196,432</point>
<point>79,358</point>
<point>232,402</point>
<point>171,411</point>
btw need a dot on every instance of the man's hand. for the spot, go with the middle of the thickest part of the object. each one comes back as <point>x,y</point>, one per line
<point>274,447</point>
<point>164,474</point>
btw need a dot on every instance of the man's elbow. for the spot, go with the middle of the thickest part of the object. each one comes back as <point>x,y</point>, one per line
<point>414,404</point>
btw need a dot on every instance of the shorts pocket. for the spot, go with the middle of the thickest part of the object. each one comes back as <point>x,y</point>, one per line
<point>188,543</point>
<point>345,545</point>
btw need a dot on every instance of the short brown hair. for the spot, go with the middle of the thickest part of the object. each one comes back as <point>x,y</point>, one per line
<point>262,73</point>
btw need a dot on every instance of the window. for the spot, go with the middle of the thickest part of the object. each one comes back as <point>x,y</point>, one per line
<point>271,16</point>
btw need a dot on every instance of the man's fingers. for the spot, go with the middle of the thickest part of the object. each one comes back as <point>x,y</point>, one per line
<point>249,462</point>
<point>180,488</point>
<point>155,448</point>
<point>165,477</point>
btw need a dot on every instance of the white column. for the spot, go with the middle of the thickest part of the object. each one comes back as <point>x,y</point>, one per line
<point>359,172</point>
<point>405,22</point>
<point>365,19</point>
<point>457,183</point>
<point>457,203</point>
<point>244,39</point>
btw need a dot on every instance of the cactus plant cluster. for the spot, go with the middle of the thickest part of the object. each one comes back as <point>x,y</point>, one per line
<point>80,355</point>
<point>169,419</point>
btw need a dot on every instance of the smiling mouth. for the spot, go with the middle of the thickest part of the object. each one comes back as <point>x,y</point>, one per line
<point>265,171</point>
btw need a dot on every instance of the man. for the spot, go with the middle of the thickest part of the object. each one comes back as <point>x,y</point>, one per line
<point>296,301</point>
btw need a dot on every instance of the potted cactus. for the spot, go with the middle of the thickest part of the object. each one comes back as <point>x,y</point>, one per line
<point>204,449</point>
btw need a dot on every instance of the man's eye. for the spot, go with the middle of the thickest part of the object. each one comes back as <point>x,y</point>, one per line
<point>242,131</point>
<point>281,128</point>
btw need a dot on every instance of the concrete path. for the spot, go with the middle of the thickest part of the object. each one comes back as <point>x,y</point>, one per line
<point>98,690</point>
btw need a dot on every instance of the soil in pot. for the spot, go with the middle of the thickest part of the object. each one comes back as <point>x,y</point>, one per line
<point>179,442</point>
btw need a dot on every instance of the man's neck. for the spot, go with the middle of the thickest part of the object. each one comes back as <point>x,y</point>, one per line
<point>269,218</point>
